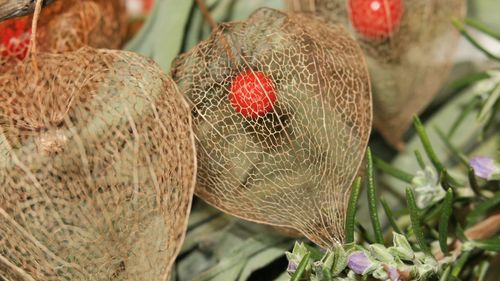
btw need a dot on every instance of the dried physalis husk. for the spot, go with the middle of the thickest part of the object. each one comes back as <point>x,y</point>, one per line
<point>409,46</point>
<point>66,26</point>
<point>282,114</point>
<point>97,168</point>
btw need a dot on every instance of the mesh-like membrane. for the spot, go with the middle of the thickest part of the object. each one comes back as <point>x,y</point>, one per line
<point>292,166</point>
<point>97,168</point>
<point>65,26</point>
<point>409,66</point>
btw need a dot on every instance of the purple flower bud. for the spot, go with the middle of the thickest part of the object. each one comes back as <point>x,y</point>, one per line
<point>393,273</point>
<point>359,262</point>
<point>483,166</point>
<point>292,266</point>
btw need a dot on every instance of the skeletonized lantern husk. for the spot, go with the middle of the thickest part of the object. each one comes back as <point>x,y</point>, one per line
<point>97,168</point>
<point>409,48</point>
<point>293,165</point>
<point>66,26</point>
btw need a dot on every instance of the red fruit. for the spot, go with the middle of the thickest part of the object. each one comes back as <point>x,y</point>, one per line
<point>376,19</point>
<point>14,38</point>
<point>252,94</point>
<point>148,5</point>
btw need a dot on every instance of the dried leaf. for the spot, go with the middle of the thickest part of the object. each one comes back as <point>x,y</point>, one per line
<point>97,168</point>
<point>409,48</point>
<point>290,158</point>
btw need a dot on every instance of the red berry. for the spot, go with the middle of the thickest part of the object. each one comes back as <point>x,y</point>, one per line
<point>252,94</point>
<point>14,38</point>
<point>376,19</point>
<point>148,5</point>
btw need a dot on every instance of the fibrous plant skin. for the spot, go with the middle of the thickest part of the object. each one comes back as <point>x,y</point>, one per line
<point>97,168</point>
<point>291,165</point>
<point>408,65</point>
<point>66,26</point>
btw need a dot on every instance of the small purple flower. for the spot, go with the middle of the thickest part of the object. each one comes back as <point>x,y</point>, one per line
<point>359,262</point>
<point>292,266</point>
<point>483,166</point>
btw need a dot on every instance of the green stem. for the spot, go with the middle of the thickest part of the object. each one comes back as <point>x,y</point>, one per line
<point>420,159</point>
<point>372,200</point>
<point>351,211</point>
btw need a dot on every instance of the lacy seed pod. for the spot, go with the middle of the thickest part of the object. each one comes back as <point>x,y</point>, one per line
<point>409,48</point>
<point>97,168</point>
<point>282,115</point>
<point>66,26</point>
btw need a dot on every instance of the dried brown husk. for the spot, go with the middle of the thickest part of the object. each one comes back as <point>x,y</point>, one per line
<point>67,25</point>
<point>410,66</point>
<point>97,168</point>
<point>293,167</point>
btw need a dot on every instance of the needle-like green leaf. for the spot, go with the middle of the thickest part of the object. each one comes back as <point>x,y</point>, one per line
<point>461,28</point>
<point>415,221</point>
<point>390,216</point>
<point>424,138</point>
<point>391,170</point>
<point>297,275</point>
<point>482,27</point>
<point>446,211</point>
<point>351,211</point>
<point>372,200</point>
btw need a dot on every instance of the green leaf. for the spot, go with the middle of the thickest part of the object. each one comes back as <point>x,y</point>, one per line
<point>339,261</point>
<point>260,260</point>
<point>482,27</point>
<point>424,138</point>
<point>301,268</point>
<point>372,199</point>
<point>480,210</point>
<point>240,255</point>
<point>487,245</point>
<point>459,264</point>
<point>446,274</point>
<point>487,108</point>
<point>391,170</point>
<point>446,211</point>
<point>390,216</point>
<point>455,151</point>
<point>473,182</point>
<point>351,211</point>
<point>162,36</point>
<point>415,221</point>
<point>420,159</point>
<point>219,247</point>
<point>327,276</point>
<point>467,81</point>
<point>316,254</point>
<point>461,28</point>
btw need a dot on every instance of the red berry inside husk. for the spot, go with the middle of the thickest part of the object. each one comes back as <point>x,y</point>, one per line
<point>376,19</point>
<point>15,38</point>
<point>252,94</point>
